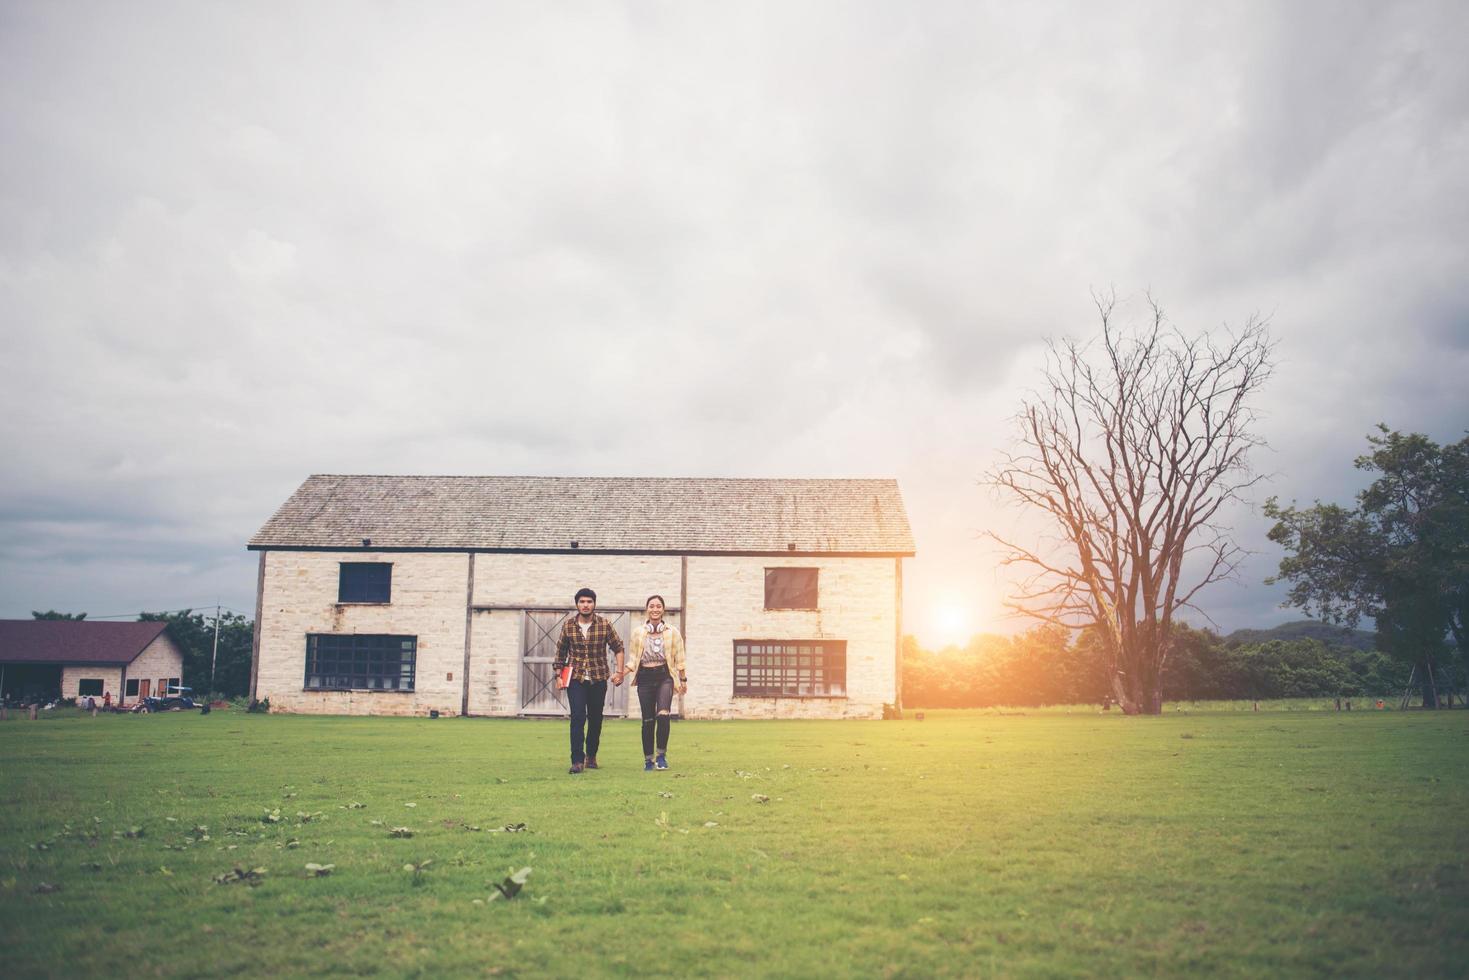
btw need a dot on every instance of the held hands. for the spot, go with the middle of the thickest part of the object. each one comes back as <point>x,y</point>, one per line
<point>617,678</point>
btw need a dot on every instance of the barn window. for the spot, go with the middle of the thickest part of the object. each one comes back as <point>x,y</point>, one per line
<point>89,687</point>
<point>790,588</point>
<point>790,668</point>
<point>131,690</point>
<point>360,662</point>
<point>365,581</point>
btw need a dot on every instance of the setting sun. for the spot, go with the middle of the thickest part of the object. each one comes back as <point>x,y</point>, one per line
<point>951,621</point>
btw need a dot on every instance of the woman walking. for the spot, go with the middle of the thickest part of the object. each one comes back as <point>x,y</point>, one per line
<point>656,664</point>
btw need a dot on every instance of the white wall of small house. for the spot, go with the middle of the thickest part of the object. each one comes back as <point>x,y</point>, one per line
<point>427,601</point>
<point>726,602</point>
<point>72,676</point>
<point>160,661</point>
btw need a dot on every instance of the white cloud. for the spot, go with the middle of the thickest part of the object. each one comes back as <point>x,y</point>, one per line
<point>239,245</point>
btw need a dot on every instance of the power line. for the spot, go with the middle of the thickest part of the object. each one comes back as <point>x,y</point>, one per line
<point>166,612</point>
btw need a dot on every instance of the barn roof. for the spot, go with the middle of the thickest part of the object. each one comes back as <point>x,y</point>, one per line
<point>617,514</point>
<point>63,641</point>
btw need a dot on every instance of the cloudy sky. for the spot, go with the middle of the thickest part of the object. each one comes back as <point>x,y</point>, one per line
<point>242,243</point>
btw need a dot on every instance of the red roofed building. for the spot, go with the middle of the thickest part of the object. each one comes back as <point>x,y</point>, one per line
<point>43,659</point>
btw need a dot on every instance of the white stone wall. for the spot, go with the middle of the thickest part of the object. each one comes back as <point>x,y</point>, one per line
<point>427,601</point>
<point>494,676</point>
<point>726,602</point>
<point>111,678</point>
<point>550,581</point>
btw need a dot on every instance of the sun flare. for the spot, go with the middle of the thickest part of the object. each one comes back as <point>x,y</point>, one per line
<point>953,622</point>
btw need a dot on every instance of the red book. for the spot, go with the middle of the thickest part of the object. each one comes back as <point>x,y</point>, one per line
<point>563,676</point>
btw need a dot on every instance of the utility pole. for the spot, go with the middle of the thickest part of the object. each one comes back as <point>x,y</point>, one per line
<point>214,658</point>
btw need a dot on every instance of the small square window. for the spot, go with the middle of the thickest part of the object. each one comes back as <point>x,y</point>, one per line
<point>790,588</point>
<point>132,688</point>
<point>365,581</point>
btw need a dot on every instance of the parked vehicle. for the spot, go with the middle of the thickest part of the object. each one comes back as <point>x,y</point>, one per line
<point>173,699</point>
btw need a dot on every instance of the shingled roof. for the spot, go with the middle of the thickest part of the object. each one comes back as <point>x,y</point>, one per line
<point>617,514</point>
<point>69,641</point>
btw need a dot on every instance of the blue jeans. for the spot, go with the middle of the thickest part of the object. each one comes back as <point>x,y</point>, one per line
<point>587,699</point>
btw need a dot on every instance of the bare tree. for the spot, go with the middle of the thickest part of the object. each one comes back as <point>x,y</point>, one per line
<point>1129,449</point>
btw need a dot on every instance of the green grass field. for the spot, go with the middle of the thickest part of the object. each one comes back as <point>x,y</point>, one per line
<point>1040,844</point>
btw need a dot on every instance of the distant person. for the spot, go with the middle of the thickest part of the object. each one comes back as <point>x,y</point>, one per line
<point>656,664</point>
<point>584,642</point>
<point>107,700</point>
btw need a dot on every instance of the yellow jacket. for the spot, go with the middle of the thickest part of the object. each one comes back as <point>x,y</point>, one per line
<point>672,651</point>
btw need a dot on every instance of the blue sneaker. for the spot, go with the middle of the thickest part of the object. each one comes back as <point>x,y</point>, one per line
<point>647,765</point>
<point>662,762</point>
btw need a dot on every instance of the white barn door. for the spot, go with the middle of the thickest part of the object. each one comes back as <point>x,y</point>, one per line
<point>540,630</point>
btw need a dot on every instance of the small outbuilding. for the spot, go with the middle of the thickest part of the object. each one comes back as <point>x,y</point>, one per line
<point>46,659</point>
<point>408,595</point>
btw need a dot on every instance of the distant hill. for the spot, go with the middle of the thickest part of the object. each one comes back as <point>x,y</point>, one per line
<point>1308,629</point>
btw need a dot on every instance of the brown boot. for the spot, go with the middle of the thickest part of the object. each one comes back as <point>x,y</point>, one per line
<point>592,762</point>
<point>575,769</point>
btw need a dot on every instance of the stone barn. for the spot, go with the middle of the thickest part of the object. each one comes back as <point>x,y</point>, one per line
<point>404,595</point>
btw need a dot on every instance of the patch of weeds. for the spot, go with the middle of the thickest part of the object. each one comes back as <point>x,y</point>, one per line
<point>400,832</point>
<point>512,885</point>
<point>252,877</point>
<point>314,870</point>
<point>417,870</point>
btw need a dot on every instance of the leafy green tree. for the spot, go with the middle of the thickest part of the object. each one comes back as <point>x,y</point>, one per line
<point>52,614</point>
<point>1400,557</point>
<point>194,633</point>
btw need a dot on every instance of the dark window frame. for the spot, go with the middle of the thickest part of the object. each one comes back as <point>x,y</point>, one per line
<point>790,669</point>
<point>365,583</point>
<point>82,683</point>
<point>130,689</point>
<point>780,589</point>
<point>384,663</point>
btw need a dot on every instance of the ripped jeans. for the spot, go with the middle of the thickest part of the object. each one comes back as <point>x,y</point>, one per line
<point>655,698</point>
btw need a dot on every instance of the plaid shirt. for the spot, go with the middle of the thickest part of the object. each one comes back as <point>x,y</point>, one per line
<point>588,654</point>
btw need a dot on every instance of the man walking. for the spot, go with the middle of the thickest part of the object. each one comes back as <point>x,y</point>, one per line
<point>585,640</point>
